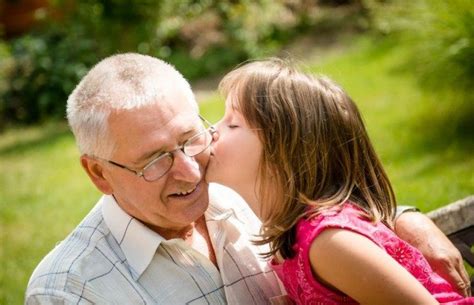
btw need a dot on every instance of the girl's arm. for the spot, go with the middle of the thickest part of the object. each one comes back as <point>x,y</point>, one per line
<point>353,264</point>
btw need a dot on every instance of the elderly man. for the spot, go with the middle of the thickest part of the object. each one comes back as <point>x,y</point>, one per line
<point>159,235</point>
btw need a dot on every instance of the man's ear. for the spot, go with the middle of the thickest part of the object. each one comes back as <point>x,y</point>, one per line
<point>95,171</point>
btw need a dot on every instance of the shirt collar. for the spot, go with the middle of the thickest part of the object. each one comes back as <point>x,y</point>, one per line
<point>216,211</point>
<point>137,241</point>
<point>225,203</point>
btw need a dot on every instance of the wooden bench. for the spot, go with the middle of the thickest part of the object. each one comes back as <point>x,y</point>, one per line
<point>456,220</point>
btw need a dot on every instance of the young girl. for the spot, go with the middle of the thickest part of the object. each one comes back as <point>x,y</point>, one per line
<point>297,151</point>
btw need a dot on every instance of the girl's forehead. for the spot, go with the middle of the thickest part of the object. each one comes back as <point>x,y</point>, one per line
<point>232,102</point>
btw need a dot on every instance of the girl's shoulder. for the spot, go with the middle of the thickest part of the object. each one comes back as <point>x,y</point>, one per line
<point>296,272</point>
<point>347,216</point>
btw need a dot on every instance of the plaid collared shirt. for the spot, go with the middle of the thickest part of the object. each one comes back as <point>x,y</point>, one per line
<point>111,258</point>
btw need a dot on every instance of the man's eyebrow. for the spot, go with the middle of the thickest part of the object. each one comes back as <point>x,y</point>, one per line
<point>148,156</point>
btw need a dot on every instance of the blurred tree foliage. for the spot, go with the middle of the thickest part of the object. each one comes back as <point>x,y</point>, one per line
<point>40,68</point>
<point>440,34</point>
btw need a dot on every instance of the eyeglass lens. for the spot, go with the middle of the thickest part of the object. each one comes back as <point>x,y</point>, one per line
<point>193,146</point>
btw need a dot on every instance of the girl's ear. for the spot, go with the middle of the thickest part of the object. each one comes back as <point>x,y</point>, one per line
<point>95,171</point>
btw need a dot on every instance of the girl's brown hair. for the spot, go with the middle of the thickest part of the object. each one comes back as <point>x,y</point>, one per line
<point>316,151</point>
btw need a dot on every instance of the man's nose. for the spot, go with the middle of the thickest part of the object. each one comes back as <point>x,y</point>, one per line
<point>185,168</point>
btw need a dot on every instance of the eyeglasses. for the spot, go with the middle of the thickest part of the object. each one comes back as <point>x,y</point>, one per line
<point>159,166</point>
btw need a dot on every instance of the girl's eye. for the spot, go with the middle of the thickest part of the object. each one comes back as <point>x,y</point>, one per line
<point>231,126</point>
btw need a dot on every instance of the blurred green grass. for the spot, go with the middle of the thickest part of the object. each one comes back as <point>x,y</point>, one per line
<point>424,139</point>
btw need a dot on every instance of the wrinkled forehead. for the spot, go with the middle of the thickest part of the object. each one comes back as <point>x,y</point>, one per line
<point>177,104</point>
<point>142,132</point>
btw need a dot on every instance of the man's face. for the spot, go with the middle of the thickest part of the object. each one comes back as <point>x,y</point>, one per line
<point>179,197</point>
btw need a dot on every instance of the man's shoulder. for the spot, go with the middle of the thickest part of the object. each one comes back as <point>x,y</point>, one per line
<point>67,266</point>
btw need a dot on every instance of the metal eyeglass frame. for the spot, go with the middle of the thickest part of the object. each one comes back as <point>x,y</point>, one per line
<point>169,154</point>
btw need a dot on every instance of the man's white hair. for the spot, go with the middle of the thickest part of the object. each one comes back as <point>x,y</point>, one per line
<point>123,81</point>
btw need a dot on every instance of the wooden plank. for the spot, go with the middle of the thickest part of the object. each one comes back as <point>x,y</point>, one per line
<point>455,216</point>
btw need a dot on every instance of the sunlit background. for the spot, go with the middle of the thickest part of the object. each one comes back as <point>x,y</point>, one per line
<point>409,65</point>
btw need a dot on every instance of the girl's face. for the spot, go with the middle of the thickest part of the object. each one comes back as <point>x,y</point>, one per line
<point>235,155</point>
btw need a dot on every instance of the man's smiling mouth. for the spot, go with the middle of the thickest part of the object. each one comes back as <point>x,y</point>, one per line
<point>186,192</point>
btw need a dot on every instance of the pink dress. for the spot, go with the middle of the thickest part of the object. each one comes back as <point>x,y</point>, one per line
<point>303,288</point>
